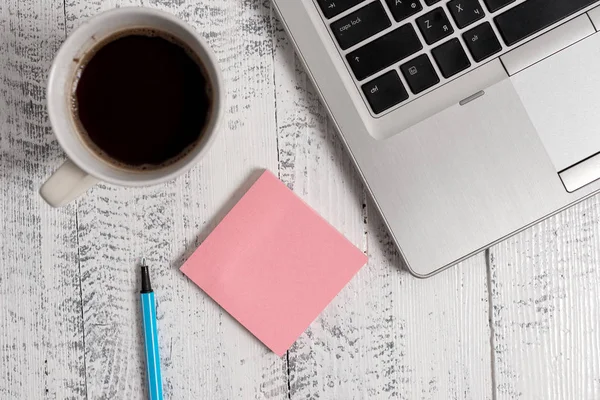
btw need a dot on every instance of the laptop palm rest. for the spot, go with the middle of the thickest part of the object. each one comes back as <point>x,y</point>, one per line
<point>460,169</point>
<point>562,97</point>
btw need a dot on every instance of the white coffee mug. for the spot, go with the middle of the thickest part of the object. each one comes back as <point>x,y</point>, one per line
<point>84,168</point>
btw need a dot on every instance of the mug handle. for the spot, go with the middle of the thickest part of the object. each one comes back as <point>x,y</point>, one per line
<point>66,184</point>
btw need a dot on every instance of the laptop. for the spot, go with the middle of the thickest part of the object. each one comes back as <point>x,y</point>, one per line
<point>468,120</point>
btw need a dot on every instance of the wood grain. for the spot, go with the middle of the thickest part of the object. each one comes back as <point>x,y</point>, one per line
<point>205,353</point>
<point>546,317</point>
<point>41,347</point>
<point>69,310</point>
<point>386,335</point>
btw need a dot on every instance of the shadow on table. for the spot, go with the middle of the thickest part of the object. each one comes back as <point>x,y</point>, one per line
<point>378,235</point>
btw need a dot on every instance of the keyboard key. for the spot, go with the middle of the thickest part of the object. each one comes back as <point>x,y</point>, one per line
<point>360,25</point>
<point>331,8</point>
<point>495,5</point>
<point>384,51</point>
<point>385,92</point>
<point>465,12</point>
<point>532,16</point>
<point>451,58</point>
<point>402,9</point>
<point>431,2</point>
<point>434,26</point>
<point>419,74</point>
<point>482,42</point>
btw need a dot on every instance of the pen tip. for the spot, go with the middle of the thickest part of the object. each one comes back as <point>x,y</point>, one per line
<point>146,286</point>
<point>143,261</point>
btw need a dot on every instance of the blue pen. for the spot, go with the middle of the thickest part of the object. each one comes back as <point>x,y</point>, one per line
<point>150,337</point>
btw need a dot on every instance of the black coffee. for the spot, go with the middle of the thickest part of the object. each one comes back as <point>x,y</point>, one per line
<point>141,99</point>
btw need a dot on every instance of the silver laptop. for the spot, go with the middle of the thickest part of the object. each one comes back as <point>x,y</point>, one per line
<point>469,120</point>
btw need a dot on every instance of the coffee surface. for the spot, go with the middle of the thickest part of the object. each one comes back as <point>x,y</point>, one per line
<point>141,100</point>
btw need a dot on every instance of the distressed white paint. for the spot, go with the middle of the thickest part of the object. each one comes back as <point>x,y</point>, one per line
<point>41,347</point>
<point>69,318</point>
<point>546,318</point>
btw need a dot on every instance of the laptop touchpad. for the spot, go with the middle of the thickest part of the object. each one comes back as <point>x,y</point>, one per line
<point>562,97</point>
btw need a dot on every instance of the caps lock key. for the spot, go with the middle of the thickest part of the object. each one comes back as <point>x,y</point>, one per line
<point>360,25</point>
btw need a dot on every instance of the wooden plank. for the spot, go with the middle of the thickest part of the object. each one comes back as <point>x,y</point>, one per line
<point>546,316</point>
<point>387,334</point>
<point>205,353</point>
<point>41,342</point>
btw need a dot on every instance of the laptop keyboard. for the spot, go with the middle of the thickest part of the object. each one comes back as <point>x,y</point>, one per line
<point>384,51</point>
<point>434,26</point>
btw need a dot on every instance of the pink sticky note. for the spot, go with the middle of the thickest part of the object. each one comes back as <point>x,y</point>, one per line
<point>273,263</point>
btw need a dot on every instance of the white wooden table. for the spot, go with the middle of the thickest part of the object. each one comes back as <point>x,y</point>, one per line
<point>521,321</point>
